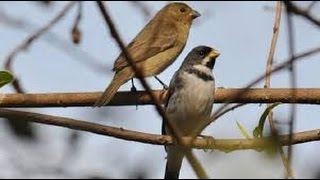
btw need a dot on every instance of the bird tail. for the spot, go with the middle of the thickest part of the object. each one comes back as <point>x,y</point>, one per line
<point>119,79</point>
<point>174,162</point>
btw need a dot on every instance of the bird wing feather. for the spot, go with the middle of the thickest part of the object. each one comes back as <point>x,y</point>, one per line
<point>147,44</point>
<point>178,82</point>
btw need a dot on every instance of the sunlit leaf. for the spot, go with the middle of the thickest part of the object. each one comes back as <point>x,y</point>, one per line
<point>243,131</point>
<point>5,78</point>
<point>258,131</point>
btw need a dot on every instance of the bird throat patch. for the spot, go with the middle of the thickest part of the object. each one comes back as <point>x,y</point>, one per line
<point>210,63</point>
<point>200,74</point>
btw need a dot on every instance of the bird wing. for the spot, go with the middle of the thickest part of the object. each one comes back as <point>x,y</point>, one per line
<point>174,154</point>
<point>154,39</point>
<point>175,83</point>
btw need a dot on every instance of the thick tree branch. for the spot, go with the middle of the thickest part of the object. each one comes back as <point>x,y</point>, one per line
<point>255,95</point>
<point>121,133</point>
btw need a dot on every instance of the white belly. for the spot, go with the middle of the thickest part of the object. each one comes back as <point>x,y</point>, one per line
<point>193,104</point>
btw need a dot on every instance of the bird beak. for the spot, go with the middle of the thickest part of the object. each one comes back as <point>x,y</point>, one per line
<point>195,14</point>
<point>214,54</point>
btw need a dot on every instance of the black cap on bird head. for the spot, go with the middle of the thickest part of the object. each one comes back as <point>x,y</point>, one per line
<point>204,55</point>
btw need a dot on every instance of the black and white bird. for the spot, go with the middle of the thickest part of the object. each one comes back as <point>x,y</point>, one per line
<point>190,100</point>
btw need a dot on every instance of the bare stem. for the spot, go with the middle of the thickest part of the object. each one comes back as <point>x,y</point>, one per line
<point>275,35</point>
<point>129,135</point>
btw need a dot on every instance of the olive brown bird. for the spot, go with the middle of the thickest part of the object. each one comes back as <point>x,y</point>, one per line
<point>155,47</point>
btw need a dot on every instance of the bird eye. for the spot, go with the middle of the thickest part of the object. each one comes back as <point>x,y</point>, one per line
<point>201,53</point>
<point>182,10</point>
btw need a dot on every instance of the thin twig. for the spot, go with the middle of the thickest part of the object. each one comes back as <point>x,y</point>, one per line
<point>195,163</point>
<point>273,45</point>
<point>311,5</point>
<point>30,39</point>
<point>56,41</point>
<point>143,7</point>
<point>139,75</point>
<point>75,31</point>
<point>229,109</point>
<point>292,8</point>
<point>293,81</point>
<point>129,135</point>
<point>268,84</point>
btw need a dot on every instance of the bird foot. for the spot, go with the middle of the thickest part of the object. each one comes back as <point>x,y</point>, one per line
<point>133,89</point>
<point>165,87</point>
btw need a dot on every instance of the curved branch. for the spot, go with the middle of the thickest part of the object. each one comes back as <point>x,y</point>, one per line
<point>121,133</point>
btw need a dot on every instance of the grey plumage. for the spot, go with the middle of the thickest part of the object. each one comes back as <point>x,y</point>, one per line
<point>190,101</point>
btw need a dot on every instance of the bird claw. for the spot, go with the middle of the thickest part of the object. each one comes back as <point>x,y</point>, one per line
<point>133,89</point>
<point>166,87</point>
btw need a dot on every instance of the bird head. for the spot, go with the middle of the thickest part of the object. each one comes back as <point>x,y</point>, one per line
<point>202,55</point>
<point>181,12</point>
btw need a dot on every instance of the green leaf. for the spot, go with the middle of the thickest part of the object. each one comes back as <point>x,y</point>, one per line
<point>243,131</point>
<point>258,131</point>
<point>5,78</point>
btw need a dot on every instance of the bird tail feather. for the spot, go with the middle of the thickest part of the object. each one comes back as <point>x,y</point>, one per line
<point>111,90</point>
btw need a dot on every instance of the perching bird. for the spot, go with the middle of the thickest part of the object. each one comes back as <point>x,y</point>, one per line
<point>190,101</point>
<point>155,48</point>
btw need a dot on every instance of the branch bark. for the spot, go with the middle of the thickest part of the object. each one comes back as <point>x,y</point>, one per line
<point>254,95</point>
<point>129,135</point>
<point>276,27</point>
